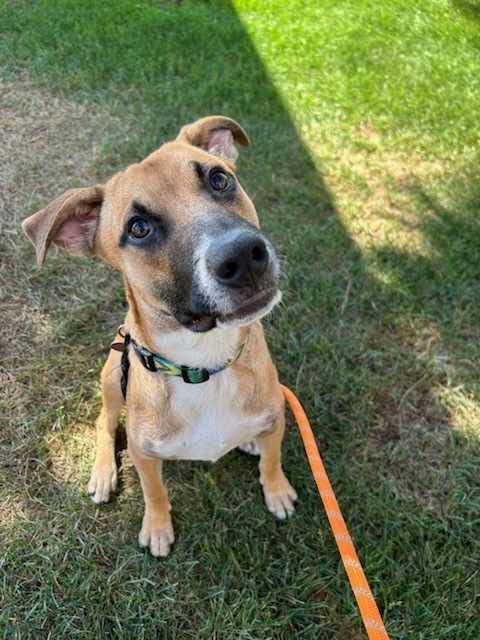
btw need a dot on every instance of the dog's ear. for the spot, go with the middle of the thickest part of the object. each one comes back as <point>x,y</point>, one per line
<point>215,134</point>
<point>70,221</point>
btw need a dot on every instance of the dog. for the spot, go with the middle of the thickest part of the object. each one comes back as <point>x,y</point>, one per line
<point>199,275</point>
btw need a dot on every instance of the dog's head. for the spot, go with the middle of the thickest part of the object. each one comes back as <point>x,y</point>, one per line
<point>180,228</point>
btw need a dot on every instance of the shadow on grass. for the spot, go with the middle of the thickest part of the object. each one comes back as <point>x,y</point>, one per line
<point>159,65</point>
<point>338,339</point>
<point>445,285</point>
<point>467,8</point>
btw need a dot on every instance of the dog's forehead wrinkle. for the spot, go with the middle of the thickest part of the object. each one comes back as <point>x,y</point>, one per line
<point>156,179</point>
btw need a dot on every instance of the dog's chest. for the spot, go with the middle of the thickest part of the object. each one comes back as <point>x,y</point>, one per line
<point>209,420</point>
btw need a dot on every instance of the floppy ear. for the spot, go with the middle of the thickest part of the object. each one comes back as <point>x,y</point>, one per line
<point>215,134</point>
<point>70,221</point>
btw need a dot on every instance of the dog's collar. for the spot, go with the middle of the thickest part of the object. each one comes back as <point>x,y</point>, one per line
<point>191,375</point>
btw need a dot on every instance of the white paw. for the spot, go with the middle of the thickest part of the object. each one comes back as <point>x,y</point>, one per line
<point>281,501</point>
<point>157,537</point>
<point>250,447</point>
<point>103,482</point>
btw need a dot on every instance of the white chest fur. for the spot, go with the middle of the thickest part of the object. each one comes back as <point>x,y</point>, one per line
<point>201,421</point>
<point>211,422</point>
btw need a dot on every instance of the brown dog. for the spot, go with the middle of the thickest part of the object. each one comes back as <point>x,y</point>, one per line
<point>198,276</point>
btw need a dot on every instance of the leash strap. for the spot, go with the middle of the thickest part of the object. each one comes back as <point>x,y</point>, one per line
<point>125,364</point>
<point>366,603</point>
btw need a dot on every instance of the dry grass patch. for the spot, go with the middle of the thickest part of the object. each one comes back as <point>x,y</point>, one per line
<point>47,144</point>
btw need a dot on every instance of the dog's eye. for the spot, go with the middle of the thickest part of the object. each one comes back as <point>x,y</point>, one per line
<point>219,180</point>
<point>139,228</point>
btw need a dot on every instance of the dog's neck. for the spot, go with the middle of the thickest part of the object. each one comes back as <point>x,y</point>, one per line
<point>161,334</point>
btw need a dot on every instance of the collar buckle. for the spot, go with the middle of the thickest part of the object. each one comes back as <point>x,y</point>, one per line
<point>146,358</point>
<point>194,376</point>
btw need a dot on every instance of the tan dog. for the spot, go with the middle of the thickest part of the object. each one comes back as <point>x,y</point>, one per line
<point>198,276</point>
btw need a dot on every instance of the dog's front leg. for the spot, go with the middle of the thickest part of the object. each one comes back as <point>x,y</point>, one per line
<point>157,529</point>
<point>279,494</point>
<point>104,473</point>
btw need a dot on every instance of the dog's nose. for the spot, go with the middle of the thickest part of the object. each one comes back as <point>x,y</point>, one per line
<point>239,261</point>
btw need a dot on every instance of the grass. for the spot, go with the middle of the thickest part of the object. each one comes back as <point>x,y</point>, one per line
<point>363,169</point>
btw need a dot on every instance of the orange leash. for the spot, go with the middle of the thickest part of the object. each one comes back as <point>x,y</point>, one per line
<point>368,607</point>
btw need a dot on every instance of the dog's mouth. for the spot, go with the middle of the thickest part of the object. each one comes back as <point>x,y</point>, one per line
<point>251,309</point>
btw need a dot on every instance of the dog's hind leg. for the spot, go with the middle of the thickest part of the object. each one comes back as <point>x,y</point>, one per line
<point>280,496</point>
<point>104,473</point>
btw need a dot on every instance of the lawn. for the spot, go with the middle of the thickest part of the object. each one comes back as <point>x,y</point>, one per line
<point>364,123</point>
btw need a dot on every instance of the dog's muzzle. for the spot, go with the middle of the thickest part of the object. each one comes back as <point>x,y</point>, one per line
<point>236,279</point>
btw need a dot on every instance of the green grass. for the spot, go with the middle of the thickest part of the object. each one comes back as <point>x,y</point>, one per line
<point>363,118</point>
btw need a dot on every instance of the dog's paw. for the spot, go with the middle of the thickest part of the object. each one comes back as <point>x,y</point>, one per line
<point>250,447</point>
<point>103,482</point>
<point>157,535</point>
<point>280,499</point>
